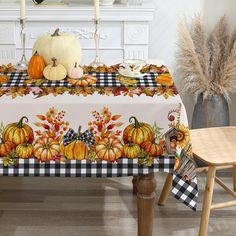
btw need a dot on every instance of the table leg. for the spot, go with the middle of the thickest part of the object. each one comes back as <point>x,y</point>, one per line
<point>166,190</point>
<point>234,178</point>
<point>146,187</point>
<point>135,182</point>
<point>206,207</point>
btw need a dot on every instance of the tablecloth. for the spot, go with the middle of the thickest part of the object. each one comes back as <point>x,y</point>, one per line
<point>115,127</point>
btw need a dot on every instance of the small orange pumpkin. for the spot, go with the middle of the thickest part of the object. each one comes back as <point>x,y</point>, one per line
<point>18,133</point>
<point>138,133</point>
<point>6,147</point>
<point>109,149</point>
<point>75,150</point>
<point>84,81</point>
<point>131,150</point>
<point>36,66</point>
<point>45,149</point>
<point>24,150</point>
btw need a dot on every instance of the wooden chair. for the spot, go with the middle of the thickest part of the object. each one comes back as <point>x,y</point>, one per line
<point>216,147</point>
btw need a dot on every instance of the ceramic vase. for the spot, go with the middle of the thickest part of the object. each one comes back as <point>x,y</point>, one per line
<point>213,111</point>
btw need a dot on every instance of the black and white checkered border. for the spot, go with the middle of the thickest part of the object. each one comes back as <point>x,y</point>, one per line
<point>104,80</point>
<point>185,192</point>
<point>85,168</point>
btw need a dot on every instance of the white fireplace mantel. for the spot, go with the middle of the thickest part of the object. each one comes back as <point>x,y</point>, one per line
<point>124,30</point>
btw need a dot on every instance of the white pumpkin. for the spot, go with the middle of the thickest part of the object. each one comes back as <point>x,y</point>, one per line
<point>63,46</point>
<point>55,71</point>
<point>76,72</point>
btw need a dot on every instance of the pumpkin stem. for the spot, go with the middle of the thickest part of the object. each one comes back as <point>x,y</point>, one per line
<point>79,130</point>
<point>75,64</point>
<point>54,62</point>
<point>136,123</point>
<point>56,33</point>
<point>20,123</point>
<point>36,53</point>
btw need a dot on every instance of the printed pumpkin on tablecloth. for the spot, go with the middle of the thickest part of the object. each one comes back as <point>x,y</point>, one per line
<point>131,150</point>
<point>6,147</point>
<point>24,150</point>
<point>109,149</point>
<point>138,132</point>
<point>165,80</point>
<point>18,133</point>
<point>46,149</point>
<point>83,81</point>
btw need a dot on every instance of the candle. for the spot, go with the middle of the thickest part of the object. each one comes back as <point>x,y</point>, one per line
<point>22,9</point>
<point>96,10</point>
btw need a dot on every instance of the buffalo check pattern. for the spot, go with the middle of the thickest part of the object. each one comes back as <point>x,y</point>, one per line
<point>185,192</point>
<point>123,167</point>
<point>104,80</point>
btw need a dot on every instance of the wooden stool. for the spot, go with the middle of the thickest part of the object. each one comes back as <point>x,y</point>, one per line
<point>216,147</point>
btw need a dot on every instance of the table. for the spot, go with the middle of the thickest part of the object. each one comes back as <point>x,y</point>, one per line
<point>116,127</point>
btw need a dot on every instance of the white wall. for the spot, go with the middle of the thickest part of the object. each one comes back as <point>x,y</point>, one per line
<point>214,9</point>
<point>164,32</point>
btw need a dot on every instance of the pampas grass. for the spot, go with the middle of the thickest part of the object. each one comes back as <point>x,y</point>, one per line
<point>207,64</point>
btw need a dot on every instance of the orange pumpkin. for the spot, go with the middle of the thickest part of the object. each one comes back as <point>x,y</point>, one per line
<point>153,148</point>
<point>84,81</point>
<point>46,149</point>
<point>18,133</point>
<point>5,148</point>
<point>75,150</point>
<point>24,150</point>
<point>131,150</point>
<point>109,149</point>
<point>165,80</point>
<point>36,66</point>
<point>138,133</point>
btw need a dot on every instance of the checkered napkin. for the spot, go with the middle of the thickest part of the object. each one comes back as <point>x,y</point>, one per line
<point>104,80</point>
<point>87,137</point>
<point>185,192</point>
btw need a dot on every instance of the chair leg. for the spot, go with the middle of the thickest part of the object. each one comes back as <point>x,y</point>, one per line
<point>146,187</point>
<point>166,190</point>
<point>234,178</point>
<point>206,208</point>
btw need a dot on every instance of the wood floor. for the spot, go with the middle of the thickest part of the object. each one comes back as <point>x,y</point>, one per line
<point>96,207</point>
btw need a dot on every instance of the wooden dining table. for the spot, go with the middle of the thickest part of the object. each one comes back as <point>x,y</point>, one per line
<point>117,126</point>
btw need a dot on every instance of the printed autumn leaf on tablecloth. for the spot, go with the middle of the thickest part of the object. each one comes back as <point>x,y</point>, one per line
<point>52,124</point>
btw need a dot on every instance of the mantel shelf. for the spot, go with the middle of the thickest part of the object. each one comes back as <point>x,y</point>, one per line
<point>76,12</point>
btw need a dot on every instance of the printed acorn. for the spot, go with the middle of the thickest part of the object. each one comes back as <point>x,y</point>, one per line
<point>55,71</point>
